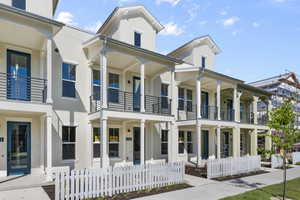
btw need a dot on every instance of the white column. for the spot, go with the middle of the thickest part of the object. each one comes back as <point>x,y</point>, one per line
<point>142,69</point>
<point>198,97</point>
<point>219,142</point>
<point>49,146</point>
<point>219,98</point>
<point>103,74</point>
<point>173,95</point>
<point>236,104</point>
<point>268,141</point>
<point>42,122</point>
<point>142,142</point>
<point>90,152</point>
<point>254,142</point>
<point>104,141</point>
<point>124,133</point>
<point>255,109</point>
<point>236,142</point>
<point>198,141</point>
<point>49,71</point>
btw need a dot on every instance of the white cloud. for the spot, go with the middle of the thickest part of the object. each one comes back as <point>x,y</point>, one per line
<point>193,11</point>
<point>94,27</point>
<point>223,12</point>
<point>66,17</point>
<point>204,22</point>
<point>125,1</point>
<point>172,2</point>
<point>172,29</point>
<point>256,24</point>
<point>231,21</point>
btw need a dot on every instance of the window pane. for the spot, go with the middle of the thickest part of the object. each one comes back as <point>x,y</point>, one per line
<point>69,89</point>
<point>72,134</point>
<point>190,148</point>
<point>203,62</point>
<point>189,136</point>
<point>68,151</point>
<point>113,150</point>
<point>69,72</point>
<point>96,92</point>
<point>21,4</point>
<point>96,150</point>
<point>96,77</point>
<point>181,136</point>
<point>113,95</point>
<point>181,148</point>
<point>113,135</point>
<point>96,135</point>
<point>114,81</point>
<point>181,93</point>
<point>164,90</point>
<point>189,106</point>
<point>181,104</point>
<point>189,94</point>
<point>164,136</point>
<point>137,39</point>
<point>68,134</point>
<point>164,148</point>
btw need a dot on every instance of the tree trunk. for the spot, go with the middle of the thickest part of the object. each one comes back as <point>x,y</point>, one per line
<point>284,174</point>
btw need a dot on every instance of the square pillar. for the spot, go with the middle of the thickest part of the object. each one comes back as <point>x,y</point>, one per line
<point>104,141</point>
<point>142,142</point>
<point>255,101</point>
<point>236,103</point>
<point>42,162</point>
<point>198,97</point>
<point>49,99</point>
<point>174,91</point>
<point>198,141</point>
<point>254,142</point>
<point>219,142</point>
<point>219,99</point>
<point>268,141</point>
<point>236,142</point>
<point>49,146</point>
<point>142,71</point>
<point>103,77</point>
<point>90,151</point>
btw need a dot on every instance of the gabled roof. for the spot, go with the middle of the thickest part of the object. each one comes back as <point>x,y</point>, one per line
<point>195,42</point>
<point>127,10</point>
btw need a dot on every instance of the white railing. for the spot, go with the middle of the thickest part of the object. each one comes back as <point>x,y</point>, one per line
<point>296,157</point>
<point>276,161</point>
<point>232,166</point>
<point>94,183</point>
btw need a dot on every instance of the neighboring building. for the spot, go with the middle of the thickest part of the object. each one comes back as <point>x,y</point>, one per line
<point>72,98</point>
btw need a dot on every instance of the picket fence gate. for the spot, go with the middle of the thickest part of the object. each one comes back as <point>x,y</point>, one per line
<point>276,161</point>
<point>93,183</point>
<point>232,166</point>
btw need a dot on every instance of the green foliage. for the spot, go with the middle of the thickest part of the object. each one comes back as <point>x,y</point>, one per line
<point>297,163</point>
<point>265,154</point>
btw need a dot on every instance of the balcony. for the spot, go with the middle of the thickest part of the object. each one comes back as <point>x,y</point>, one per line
<point>190,112</point>
<point>262,118</point>
<point>130,102</point>
<point>247,117</point>
<point>22,88</point>
<point>227,115</point>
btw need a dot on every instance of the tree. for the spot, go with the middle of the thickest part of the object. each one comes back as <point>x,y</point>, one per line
<point>284,134</point>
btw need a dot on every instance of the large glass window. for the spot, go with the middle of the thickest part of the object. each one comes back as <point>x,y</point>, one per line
<point>68,80</point>
<point>21,4</point>
<point>189,142</point>
<point>96,142</point>
<point>180,98</point>
<point>189,100</point>
<point>68,142</point>
<point>203,61</point>
<point>181,142</point>
<point>164,142</point>
<point>137,39</point>
<point>114,141</point>
<point>164,96</point>
<point>96,84</point>
<point>113,88</point>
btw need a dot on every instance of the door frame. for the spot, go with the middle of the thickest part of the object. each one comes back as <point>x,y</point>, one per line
<point>22,170</point>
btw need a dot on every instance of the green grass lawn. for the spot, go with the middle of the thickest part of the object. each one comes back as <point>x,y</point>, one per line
<point>293,192</point>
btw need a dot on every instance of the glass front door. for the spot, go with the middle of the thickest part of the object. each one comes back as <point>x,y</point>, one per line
<point>18,76</point>
<point>136,145</point>
<point>18,148</point>
<point>136,94</point>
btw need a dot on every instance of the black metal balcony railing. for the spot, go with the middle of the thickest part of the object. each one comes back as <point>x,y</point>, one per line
<point>21,88</point>
<point>227,115</point>
<point>209,112</point>
<point>262,118</point>
<point>189,112</point>
<point>247,117</point>
<point>130,102</point>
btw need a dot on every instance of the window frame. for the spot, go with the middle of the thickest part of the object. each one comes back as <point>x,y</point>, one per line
<point>68,143</point>
<point>67,80</point>
<point>203,62</point>
<point>113,142</point>
<point>96,85</point>
<point>164,97</point>
<point>134,41</point>
<point>96,142</point>
<point>13,4</point>
<point>189,142</point>
<point>181,142</point>
<point>181,98</point>
<point>163,142</point>
<point>189,101</point>
<point>111,88</point>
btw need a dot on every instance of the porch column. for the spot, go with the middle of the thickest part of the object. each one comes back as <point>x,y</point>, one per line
<point>219,98</point>
<point>236,104</point>
<point>198,97</point>
<point>173,95</point>
<point>254,142</point>
<point>42,121</point>
<point>103,75</point>
<point>124,133</point>
<point>219,142</point>
<point>236,142</point>
<point>142,68</point>
<point>255,109</point>
<point>104,140</point>
<point>268,141</point>
<point>198,139</point>
<point>49,71</point>
<point>142,142</point>
<point>90,143</point>
<point>49,146</point>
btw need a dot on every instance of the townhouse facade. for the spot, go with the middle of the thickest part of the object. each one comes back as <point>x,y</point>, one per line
<point>73,98</point>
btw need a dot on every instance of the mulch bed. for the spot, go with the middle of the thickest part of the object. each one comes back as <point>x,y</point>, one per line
<point>196,171</point>
<point>131,195</point>
<point>226,178</point>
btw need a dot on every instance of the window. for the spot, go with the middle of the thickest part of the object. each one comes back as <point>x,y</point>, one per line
<point>203,61</point>
<point>69,141</point>
<point>114,142</point>
<point>68,80</point>
<point>21,4</point>
<point>164,96</point>
<point>164,142</point>
<point>96,142</point>
<point>189,100</point>
<point>181,142</point>
<point>113,88</point>
<point>180,98</point>
<point>96,84</point>
<point>137,39</point>
<point>189,142</point>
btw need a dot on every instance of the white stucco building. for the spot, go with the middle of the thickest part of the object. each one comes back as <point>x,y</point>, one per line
<point>73,98</point>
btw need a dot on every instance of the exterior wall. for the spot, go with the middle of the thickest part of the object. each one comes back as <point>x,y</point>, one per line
<point>43,8</point>
<point>204,50</point>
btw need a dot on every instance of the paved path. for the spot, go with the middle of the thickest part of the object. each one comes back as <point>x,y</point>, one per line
<point>213,190</point>
<point>36,193</point>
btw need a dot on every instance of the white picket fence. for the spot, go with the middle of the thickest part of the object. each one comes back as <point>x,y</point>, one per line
<point>296,157</point>
<point>232,166</point>
<point>276,161</point>
<point>93,183</point>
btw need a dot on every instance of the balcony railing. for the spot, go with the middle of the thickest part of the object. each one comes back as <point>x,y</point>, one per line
<point>130,102</point>
<point>262,118</point>
<point>22,88</point>
<point>227,114</point>
<point>190,112</point>
<point>247,117</point>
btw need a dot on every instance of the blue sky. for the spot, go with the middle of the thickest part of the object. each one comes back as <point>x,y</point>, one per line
<point>259,38</point>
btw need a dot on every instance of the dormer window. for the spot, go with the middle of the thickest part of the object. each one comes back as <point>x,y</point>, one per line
<point>137,39</point>
<point>203,61</point>
<point>21,4</point>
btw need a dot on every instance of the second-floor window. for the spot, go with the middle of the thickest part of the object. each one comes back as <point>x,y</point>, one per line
<point>137,39</point>
<point>181,99</point>
<point>203,62</point>
<point>189,100</point>
<point>68,80</point>
<point>21,4</point>
<point>113,88</point>
<point>68,142</point>
<point>164,96</point>
<point>96,84</point>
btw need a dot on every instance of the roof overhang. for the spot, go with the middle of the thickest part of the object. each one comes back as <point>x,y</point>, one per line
<point>255,90</point>
<point>120,12</point>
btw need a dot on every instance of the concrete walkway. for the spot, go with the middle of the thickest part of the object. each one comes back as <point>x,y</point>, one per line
<point>213,190</point>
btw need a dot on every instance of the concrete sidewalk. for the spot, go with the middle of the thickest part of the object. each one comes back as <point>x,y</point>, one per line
<point>213,190</point>
<point>36,193</point>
